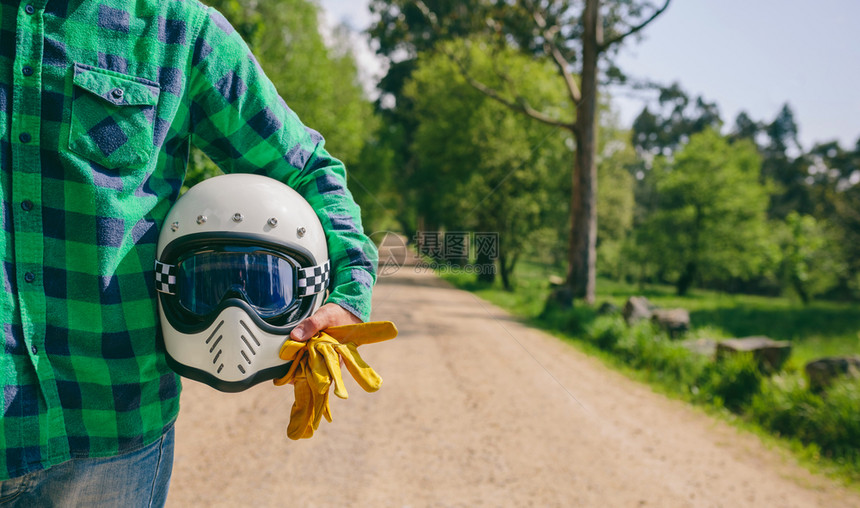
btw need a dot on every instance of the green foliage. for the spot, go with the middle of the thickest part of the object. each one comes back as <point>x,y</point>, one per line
<point>711,222</point>
<point>615,200</point>
<point>677,118</point>
<point>829,421</point>
<point>606,331</point>
<point>374,182</point>
<point>809,265</point>
<point>498,171</point>
<point>732,381</point>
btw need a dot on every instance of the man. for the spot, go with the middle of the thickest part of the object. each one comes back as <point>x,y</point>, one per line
<point>99,101</point>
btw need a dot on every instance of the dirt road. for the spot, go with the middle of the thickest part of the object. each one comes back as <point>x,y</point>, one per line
<point>477,410</point>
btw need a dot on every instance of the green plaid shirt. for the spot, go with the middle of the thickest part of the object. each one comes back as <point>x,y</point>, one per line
<point>99,103</point>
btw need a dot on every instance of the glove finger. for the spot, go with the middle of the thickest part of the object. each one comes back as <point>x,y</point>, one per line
<point>291,374</point>
<point>327,410</point>
<point>363,333</point>
<point>289,349</point>
<point>364,375</point>
<point>302,412</point>
<point>332,361</point>
<point>320,402</point>
<point>318,374</point>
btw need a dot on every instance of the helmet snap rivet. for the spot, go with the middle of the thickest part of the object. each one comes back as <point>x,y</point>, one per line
<point>273,222</point>
<point>201,219</point>
<point>174,226</point>
<point>301,232</point>
<point>237,217</point>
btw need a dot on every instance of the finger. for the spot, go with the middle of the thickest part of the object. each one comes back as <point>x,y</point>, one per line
<point>330,314</point>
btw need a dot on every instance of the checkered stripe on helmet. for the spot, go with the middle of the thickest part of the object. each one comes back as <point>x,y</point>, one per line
<point>165,278</point>
<point>313,280</point>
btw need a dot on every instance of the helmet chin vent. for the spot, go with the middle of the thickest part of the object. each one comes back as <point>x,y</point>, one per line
<point>217,341</point>
<point>247,343</point>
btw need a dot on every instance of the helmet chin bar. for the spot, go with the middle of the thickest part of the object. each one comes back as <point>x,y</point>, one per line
<point>231,355</point>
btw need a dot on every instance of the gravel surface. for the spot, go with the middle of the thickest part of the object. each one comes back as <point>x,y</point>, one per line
<point>477,410</point>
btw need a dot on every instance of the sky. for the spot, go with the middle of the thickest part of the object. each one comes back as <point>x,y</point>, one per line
<point>745,55</point>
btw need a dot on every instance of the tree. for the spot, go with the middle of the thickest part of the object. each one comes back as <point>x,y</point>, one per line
<point>785,166</point>
<point>574,39</point>
<point>809,265</point>
<point>833,174</point>
<point>677,118</point>
<point>711,220</point>
<point>497,172</point>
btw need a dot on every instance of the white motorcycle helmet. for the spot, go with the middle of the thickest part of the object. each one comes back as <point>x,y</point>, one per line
<point>241,260</point>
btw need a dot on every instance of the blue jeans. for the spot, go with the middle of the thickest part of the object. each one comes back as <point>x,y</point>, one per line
<point>136,479</point>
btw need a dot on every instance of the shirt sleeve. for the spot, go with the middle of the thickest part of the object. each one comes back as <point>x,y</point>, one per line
<point>239,120</point>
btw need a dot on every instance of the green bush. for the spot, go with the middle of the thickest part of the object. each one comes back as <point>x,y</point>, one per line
<point>732,381</point>
<point>606,331</point>
<point>837,427</point>
<point>830,421</point>
<point>786,406</point>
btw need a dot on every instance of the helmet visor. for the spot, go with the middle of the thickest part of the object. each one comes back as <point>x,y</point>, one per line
<point>262,279</point>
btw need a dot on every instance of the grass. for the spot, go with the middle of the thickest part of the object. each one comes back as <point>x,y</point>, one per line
<point>823,430</point>
<point>816,330</point>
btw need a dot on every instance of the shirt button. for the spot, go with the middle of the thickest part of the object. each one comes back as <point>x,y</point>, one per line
<point>25,137</point>
<point>29,9</point>
<point>34,349</point>
<point>27,205</point>
<point>27,70</point>
<point>29,277</point>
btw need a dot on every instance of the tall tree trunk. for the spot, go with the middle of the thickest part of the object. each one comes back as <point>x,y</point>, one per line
<point>582,275</point>
<point>503,271</point>
<point>689,275</point>
<point>486,267</point>
<point>686,279</point>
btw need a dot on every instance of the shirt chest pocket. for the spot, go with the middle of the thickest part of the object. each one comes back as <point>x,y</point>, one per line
<point>113,117</point>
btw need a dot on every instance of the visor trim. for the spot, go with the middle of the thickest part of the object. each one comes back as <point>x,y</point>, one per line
<point>165,278</point>
<point>313,280</point>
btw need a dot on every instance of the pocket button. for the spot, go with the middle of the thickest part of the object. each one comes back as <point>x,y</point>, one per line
<point>117,93</point>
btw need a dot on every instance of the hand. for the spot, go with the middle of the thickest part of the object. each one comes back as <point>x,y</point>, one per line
<point>330,314</point>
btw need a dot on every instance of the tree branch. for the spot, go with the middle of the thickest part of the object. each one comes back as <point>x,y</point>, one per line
<point>520,106</point>
<point>559,60</point>
<point>604,46</point>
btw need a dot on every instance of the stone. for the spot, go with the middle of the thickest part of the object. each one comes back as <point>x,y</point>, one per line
<point>704,347</point>
<point>674,321</point>
<point>608,308</point>
<point>637,308</point>
<point>824,371</point>
<point>555,281</point>
<point>770,354</point>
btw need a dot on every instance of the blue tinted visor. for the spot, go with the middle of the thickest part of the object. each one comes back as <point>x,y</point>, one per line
<point>265,280</point>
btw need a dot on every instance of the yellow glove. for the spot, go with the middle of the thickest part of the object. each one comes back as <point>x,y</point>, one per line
<point>316,365</point>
